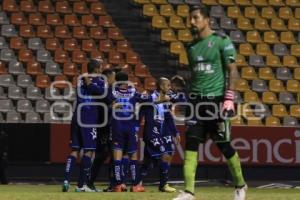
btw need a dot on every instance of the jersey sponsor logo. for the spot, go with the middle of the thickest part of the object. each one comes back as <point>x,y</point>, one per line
<point>229,47</point>
<point>155,130</point>
<point>94,133</point>
<point>210,44</point>
<point>203,67</point>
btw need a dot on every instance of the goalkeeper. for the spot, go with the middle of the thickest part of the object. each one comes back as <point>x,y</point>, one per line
<point>211,57</point>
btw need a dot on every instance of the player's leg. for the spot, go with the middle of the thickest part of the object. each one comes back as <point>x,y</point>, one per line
<point>125,165</point>
<point>146,165</point>
<point>117,169</point>
<point>164,168</point>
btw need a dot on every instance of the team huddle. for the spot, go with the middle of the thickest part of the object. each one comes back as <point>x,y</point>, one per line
<point>210,100</point>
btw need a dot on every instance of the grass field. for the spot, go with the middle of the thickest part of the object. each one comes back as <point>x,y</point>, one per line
<point>52,192</point>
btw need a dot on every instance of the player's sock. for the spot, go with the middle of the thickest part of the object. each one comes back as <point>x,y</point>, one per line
<point>98,161</point>
<point>117,171</point>
<point>235,168</point>
<point>69,167</point>
<point>164,173</point>
<point>189,170</point>
<point>134,171</point>
<point>125,163</point>
<point>85,168</point>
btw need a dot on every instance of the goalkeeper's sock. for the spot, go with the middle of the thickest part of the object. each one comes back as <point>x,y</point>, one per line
<point>117,171</point>
<point>85,169</point>
<point>125,163</point>
<point>235,168</point>
<point>164,173</point>
<point>189,170</point>
<point>133,171</point>
<point>70,162</point>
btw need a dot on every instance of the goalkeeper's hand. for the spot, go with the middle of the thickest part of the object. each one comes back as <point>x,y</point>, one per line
<point>227,109</point>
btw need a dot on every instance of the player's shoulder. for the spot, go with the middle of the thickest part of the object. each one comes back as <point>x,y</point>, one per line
<point>220,34</point>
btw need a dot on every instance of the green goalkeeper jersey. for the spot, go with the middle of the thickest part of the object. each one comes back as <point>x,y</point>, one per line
<point>208,58</point>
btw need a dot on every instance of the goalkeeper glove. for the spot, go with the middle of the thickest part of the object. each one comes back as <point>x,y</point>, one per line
<point>228,109</point>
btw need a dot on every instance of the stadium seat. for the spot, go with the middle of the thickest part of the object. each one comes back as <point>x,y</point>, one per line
<point>3,95</point>
<point>260,3</point>
<point>15,92</point>
<point>24,106</point>
<point>6,80</point>
<point>176,47</point>
<point>70,44</point>
<point>277,24</point>
<point>36,19</point>
<point>290,121</point>
<point>89,21</point>
<point>183,60</point>
<point>249,73</point>
<point>259,85</point>
<point>251,12</point>
<point>214,23</point>
<point>80,8</point>
<point>132,58</point>
<point>13,117</point>
<point>266,73</point>
<point>295,50</point>
<point>61,78</point>
<point>70,92</point>
<point>6,105</point>
<point>286,98</point>
<point>35,43</point>
<point>3,43</point>
<point>115,57</point>
<point>240,60</point>
<point>61,56</point>
<point>28,7</point>
<point>150,83</point>
<point>237,121</point>
<point>44,32</point>
<point>70,69</point>
<point>183,11</point>
<point>106,45</point>
<point>3,68</point>
<point>269,98</point>
<point>49,118</point>
<point>273,61</point>
<point>285,13</point>
<point>166,10</point>
<point>159,2</point>
<point>54,20</point>
<point>24,80</point>
<point>272,121</point>
<point>34,68</point>
<point>115,34</point>
<point>293,86</point>
<point>26,31</point>
<point>268,12</point>
<point>254,122</point>
<point>237,36</point>
<point>279,110</point>
<point>297,73</point>
<point>271,37</point>
<point>80,32</point>
<point>292,3</point>
<point>295,111</point>
<point>62,32</point>
<point>10,6</point>
<point>280,50</point>
<point>52,44</point>
<point>251,97</point>
<point>226,2</point>
<point>46,7</point>
<point>123,46</point>
<point>176,2</point>
<point>97,54</point>
<point>290,61</point>
<point>150,10</point>
<point>15,67</point>
<point>43,55</point>
<point>79,56</point>
<point>243,3</point>
<point>63,7</point>
<point>176,22</point>
<point>18,18</point>
<point>253,37</point>
<point>71,20</point>
<point>88,45</point>
<point>97,33</point>
<point>141,71</point>
<point>276,86</point>
<point>7,55</point>
<point>42,81</point>
<point>97,8</point>
<point>263,49</point>
<point>234,12</point>
<point>261,24</point>
<point>227,24</point>
<point>32,118</point>
<point>276,3</point>
<point>8,31</point>
<point>52,68</point>
<point>261,110</point>
<point>210,2</point>
<point>192,2</point>
<point>242,85</point>
<point>287,37</point>
<point>256,61</point>
<point>25,55</point>
<point>294,24</point>
<point>185,35</point>
<point>33,93</point>
<point>106,21</point>
<point>16,43</point>
<point>283,73</point>
<point>246,49</point>
<point>3,19</point>
<point>168,35</point>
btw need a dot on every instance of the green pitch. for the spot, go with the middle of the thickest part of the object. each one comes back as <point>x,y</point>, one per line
<point>52,192</point>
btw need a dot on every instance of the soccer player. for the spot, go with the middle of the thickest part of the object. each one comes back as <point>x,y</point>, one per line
<point>211,56</point>
<point>83,137</point>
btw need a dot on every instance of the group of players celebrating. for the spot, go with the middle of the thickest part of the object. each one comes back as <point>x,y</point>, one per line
<point>211,58</point>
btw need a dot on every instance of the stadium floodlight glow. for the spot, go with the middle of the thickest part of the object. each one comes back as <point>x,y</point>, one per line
<point>79,120</point>
<point>80,83</point>
<point>61,103</point>
<point>60,96</point>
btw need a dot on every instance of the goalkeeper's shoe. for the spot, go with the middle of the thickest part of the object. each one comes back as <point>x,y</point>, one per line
<point>84,189</point>
<point>65,186</point>
<point>93,187</point>
<point>240,193</point>
<point>167,188</point>
<point>137,188</point>
<point>184,196</point>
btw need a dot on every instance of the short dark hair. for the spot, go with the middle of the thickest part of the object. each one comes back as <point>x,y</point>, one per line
<point>121,76</point>
<point>202,8</point>
<point>108,72</point>
<point>178,81</point>
<point>92,65</point>
<point>160,81</point>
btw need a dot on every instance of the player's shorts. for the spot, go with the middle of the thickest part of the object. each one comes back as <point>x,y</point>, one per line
<point>208,125</point>
<point>124,136</point>
<point>104,139</point>
<point>169,131</point>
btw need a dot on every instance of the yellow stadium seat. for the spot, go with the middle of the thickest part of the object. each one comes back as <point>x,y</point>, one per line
<point>273,61</point>
<point>233,12</point>
<point>263,49</point>
<point>295,50</point>
<point>285,13</point>
<point>279,110</point>
<point>176,22</point>
<point>176,47</point>
<point>251,96</point>
<point>159,22</point>
<point>261,24</point>
<point>276,3</point>
<point>160,2</point>
<point>237,121</point>
<point>272,121</point>
<point>240,60</point>
<point>253,37</point>
<point>293,3</point>
<point>166,10</point>
<point>268,12</point>
<point>276,86</point>
<point>183,59</point>
<point>188,23</point>
<point>185,35</point>
<point>254,122</point>
<point>297,73</point>
<point>290,61</point>
<point>293,86</point>
<point>226,2</point>
<point>183,10</point>
<point>269,98</point>
<point>271,37</point>
<point>295,111</point>
<point>244,24</point>
<point>249,73</point>
<point>210,2</point>
<point>246,49</point>
<point>266,73</point>
<point>243,2</point>
<point>260,3</point>
<point>294,24</point>
<point>251,12</point>
<point>141,1</point>
<point>287,37</point>
<point>242,85</point>
<point>297,13</point>
<point>149,10</point>
<point>168,35</point>
<point>277,24</point>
